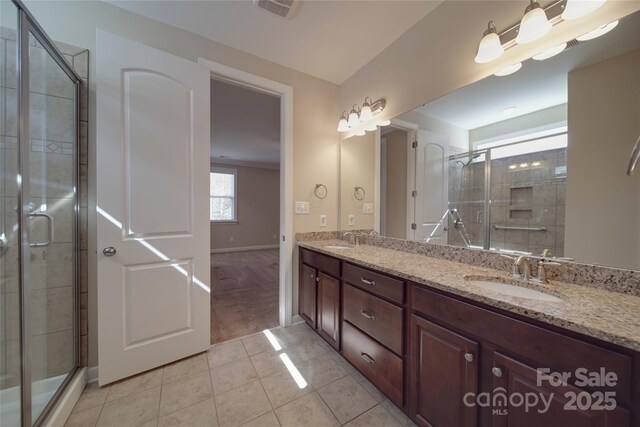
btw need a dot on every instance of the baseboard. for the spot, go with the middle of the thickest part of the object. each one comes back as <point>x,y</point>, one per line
<point>296,319</point>
<point>68,400</point>
<point>246,248</point>
<point>92,374</point>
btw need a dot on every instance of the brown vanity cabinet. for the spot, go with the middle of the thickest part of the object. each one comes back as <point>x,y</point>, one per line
<point>319,294</point>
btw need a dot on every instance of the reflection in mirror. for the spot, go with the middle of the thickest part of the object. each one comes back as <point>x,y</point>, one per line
<point>522,163</point>
<point>357,182</point>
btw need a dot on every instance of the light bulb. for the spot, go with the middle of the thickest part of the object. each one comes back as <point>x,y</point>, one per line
<point>509,69</point>
<point>366,114</point>
<point>360,132</point>
<point>490,47</point>
<point>371,127</point>
<point>546,54</point>
<point>578,8</point>
<point>600,31</point>
<point>353,118</point>
<point>534,24</point>
<point>343,125</point>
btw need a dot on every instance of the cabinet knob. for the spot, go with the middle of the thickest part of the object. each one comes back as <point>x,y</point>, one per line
<point>468,357</point>
<point>496,371</point>
<point>367,358</point>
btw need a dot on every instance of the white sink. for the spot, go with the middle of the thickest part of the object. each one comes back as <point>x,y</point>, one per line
<point>338,247</point>
<point>511,289</point>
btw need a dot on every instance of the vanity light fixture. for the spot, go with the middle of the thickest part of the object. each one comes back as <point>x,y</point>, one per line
<point>553,51</point>
<point>360,132</point>
<point>354,119</point>
<point>509,69</point>
<point>490,47</point>
<point>371,127</point>
<point>534,24</point>
<point>600,31</point>
<point>384,123</point>
<point>578,8</point>
<point>343,126</point>
<point>366,114</point>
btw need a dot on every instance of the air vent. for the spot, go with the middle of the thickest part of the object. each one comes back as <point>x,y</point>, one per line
<point>283,8</point>
<point>572,43</point>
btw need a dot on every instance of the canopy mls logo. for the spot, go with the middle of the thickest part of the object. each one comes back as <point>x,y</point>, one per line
<point>574,400</point>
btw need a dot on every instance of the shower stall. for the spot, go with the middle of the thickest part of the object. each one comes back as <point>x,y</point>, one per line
<point>510,196</point>
<point>39,131</point>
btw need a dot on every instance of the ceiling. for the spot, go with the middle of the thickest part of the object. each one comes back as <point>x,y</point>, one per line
<point>330,40</point>
<point>245,126</point>
<point>538,84</point>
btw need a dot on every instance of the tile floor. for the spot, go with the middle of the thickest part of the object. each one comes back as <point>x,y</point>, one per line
<point>245,382</point>
<point>236,279</point>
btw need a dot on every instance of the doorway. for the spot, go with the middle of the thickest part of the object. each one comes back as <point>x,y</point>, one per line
<point>244,209</point>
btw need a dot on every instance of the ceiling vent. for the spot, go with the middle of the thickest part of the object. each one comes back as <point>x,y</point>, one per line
<point>283,8</point>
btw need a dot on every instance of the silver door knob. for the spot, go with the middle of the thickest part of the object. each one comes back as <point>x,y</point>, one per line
<point>468,357</point>
<point>496,371</point>
<point>109,251</point>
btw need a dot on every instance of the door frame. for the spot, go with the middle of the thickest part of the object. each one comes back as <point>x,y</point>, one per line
<point>285,93</point>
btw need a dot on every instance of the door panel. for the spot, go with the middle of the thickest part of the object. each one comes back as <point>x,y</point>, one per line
<point>152,181</point>
<point>329,309</point>
<point>308,292</point>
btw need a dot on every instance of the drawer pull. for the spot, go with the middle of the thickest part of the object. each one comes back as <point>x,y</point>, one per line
<point>468,357</point>
<point>367,358</point>
<point>368,282</point>
<point>367,315</point>
<point>496,371</point>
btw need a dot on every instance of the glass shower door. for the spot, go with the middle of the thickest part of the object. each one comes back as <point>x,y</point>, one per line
<point>49,209</point>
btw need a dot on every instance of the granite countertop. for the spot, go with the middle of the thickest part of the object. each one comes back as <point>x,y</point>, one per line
<point>609,316</point>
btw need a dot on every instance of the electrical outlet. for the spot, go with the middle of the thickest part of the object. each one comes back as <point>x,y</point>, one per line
<point>352,220</point>
<point>323,220</point>
<point>367,208</point>
<point>302,208</point>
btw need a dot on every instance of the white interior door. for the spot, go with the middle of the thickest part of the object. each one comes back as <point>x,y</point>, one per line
<point>431,186</point>
<point>152,204</point>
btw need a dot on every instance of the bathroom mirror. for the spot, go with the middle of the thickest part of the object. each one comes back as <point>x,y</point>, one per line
<point>521,163</point>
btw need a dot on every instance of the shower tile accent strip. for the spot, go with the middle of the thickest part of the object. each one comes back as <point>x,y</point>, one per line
<point>592,276</point>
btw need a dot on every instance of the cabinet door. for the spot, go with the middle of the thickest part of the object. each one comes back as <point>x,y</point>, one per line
<point>517,379</point>
<point>329,309</point>
<point>444,369</point>
<point>307,288</point>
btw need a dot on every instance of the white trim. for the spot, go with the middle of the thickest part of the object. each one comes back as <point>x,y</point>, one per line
<point>286,173</point>
<point>242,249</point>
<point>376,182</point>
<point>296,319</point>
<point>68,400</point>
<point>92,374</point>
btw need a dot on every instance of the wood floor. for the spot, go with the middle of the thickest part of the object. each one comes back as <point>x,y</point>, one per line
<point>244,293</point>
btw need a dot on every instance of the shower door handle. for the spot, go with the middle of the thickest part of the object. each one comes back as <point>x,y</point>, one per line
<point>49,230</point>
<point>635,155</point>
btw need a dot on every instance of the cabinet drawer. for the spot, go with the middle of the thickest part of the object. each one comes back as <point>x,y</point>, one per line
<point>378,318</point>
<point>323,263</point>
<point>374,282</point>
<point>379,365</point>
<point>541,347</point>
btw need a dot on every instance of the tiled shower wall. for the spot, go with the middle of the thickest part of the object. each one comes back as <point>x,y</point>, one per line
<point>526,191</point>
<point>51,161</point>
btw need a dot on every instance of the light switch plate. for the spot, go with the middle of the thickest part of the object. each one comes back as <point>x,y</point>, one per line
<point>323,220</point>
<point>367,208</point>
<point>352,220</point>
<point>302,208</point>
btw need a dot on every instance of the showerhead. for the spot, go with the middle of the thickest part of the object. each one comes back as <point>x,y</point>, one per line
<point>465,164</point>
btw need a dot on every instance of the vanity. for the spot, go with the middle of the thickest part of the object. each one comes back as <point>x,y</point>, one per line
<point>451,354</point>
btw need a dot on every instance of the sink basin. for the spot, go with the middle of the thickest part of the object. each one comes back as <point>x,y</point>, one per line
<point>338,247</point>
<point>512,288</point>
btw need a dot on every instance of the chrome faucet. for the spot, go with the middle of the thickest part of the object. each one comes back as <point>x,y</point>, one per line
<point>355,237</point>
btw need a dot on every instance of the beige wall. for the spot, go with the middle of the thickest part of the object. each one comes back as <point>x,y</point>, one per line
<point>435,56</point>
<point>258,210</point>
<point>603,203</point>
<point>395,204</point>
<point>358,160</point>
<point>457,137</point>
<point>316,107</point>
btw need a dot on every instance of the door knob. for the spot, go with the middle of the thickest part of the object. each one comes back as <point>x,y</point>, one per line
<point>109,251</point>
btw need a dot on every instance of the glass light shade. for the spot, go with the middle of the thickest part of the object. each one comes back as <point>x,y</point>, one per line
<point>546,54</point>
<point>360,132</point>
<point>371,127</point>
<point>509,69</point>
<point>534,24</point>
<point>343,126</point>
<point>600,31</point>
<point>353,119</point>
<point>384,123</point>
<point>489,49</point>
<point>366,114</point>
<point>578,8</point>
